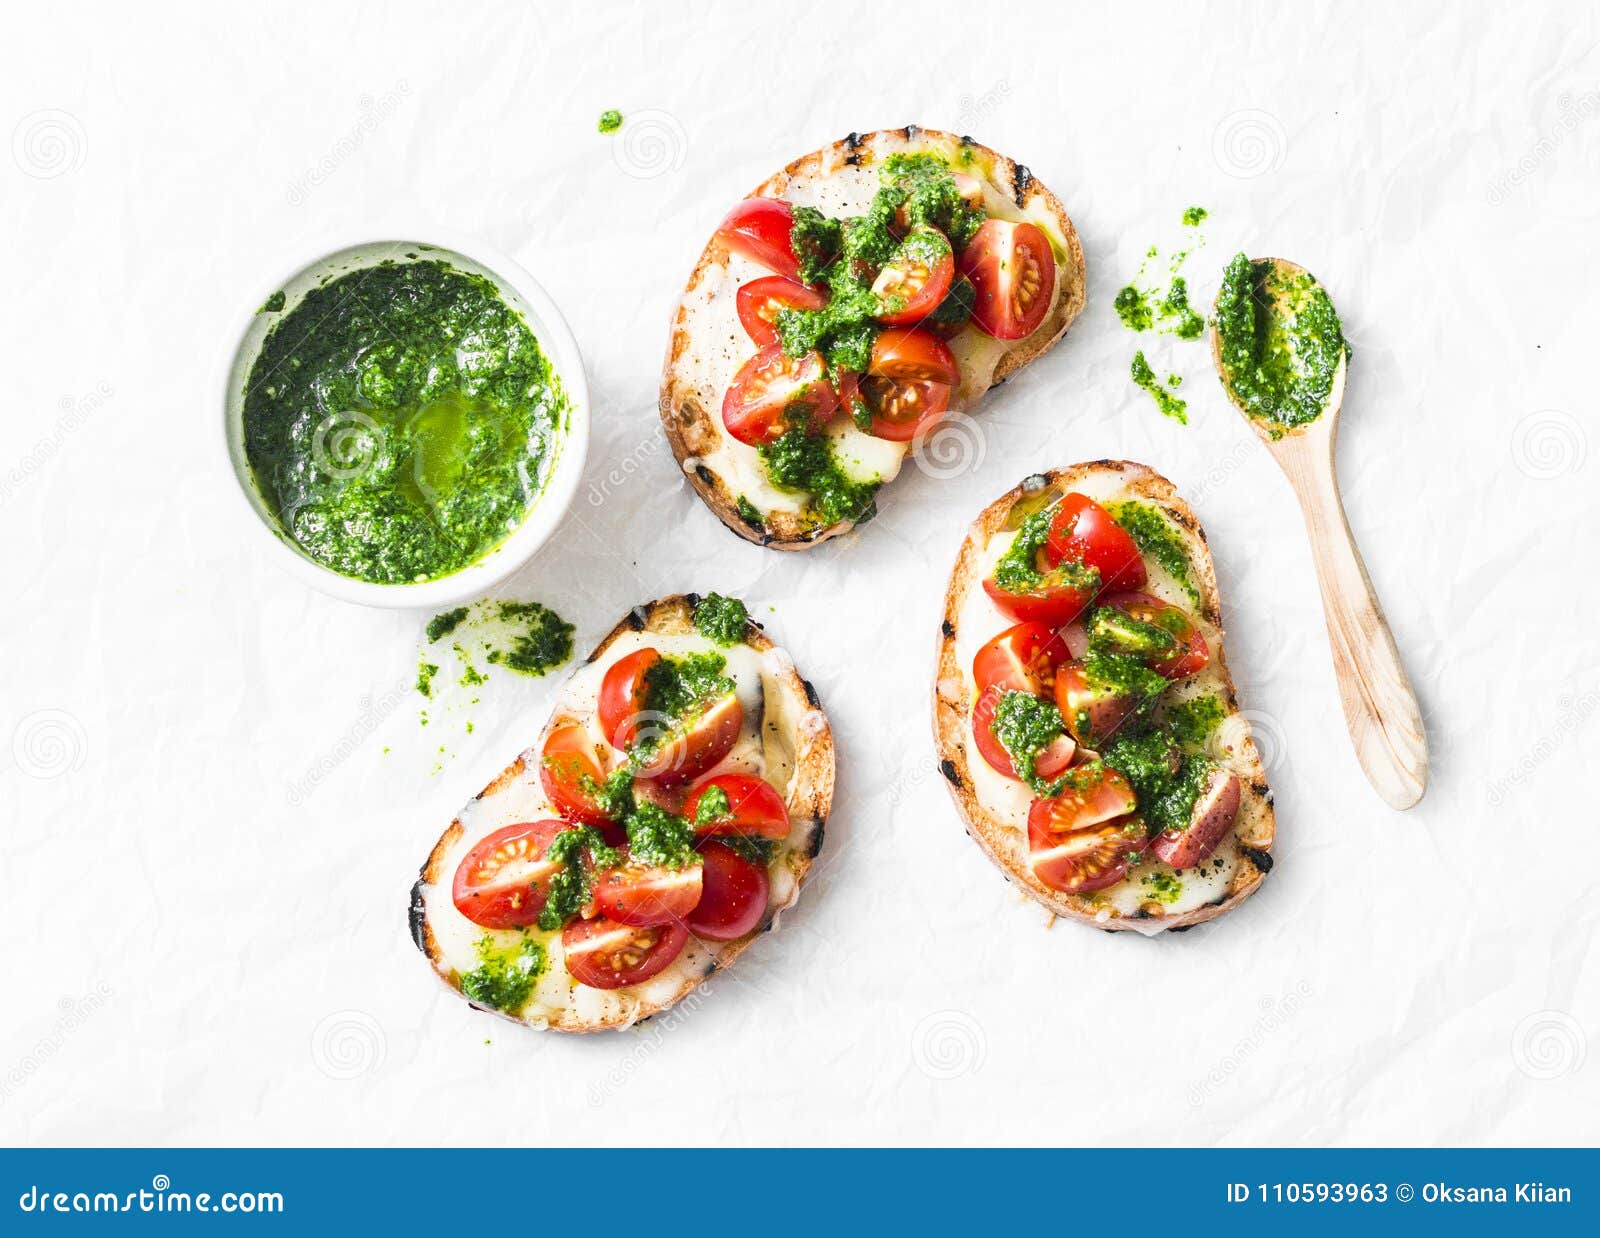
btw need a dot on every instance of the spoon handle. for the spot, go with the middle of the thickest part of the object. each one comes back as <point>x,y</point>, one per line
<point>1380,709</point>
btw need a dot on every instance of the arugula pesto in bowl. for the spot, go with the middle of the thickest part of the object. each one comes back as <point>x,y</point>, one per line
<point>409,421</point>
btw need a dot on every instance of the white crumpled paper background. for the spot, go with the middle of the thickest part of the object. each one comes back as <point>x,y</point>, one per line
<point>199,953</point>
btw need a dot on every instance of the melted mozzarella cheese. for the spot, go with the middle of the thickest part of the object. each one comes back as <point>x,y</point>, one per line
<point>765,748</point>
<point>719,345</point>
<point>1008,800</point>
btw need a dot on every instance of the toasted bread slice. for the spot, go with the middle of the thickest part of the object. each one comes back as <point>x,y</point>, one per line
<point>990,804</point>
<point>708,345</point>
<point>786,739</point>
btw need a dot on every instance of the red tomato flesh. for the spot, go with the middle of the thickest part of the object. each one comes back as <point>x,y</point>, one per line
<point>773,393</point>
<point>735,897</point>
<point>647,894</point>
<point>567,769</point>
<point>760,300</point>
<point>755,809</point>
<point>1013,274</point>
<point>760,229</point>
<point>606,955</point>
<point>504,881</point>
<point>1081,531</point>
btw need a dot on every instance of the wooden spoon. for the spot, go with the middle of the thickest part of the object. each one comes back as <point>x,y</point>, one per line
<point>1380,710</point>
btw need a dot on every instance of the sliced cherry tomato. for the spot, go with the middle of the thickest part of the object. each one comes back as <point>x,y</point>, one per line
<point>760,300</point>
<point>1188,654</point>
<point>1054,601</point>
<point>1093,712</point>
<point>623,695</point>
<point>773,393</point>
<point>1209,823</point>
<point>909,354</point>
<point>1079,861</point>
<point>504,881</point>
<point>755,809</point>
<point>1014,273</point>
<point>693,744</point>
<point>1081,531</point>
<point>647,894</point>
<point>568,769</point>
<point>1053,760</point>
<point>916,278</point>
<point>735,896</point>
<point>606,955</point>
<point>903,411</point>
<point>1023,658</point>
<point>760,229</point>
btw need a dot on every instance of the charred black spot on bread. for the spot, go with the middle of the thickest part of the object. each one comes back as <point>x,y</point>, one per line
<point>1020,181</point>
<point>1181,928</point>
<point>1141,914</point>
<point>947,767</point>
<point>811,694</point>
<point>710,967</point>
<point>418,916</point>
<point>911,133</point>
<point>1180,517</point>
<point>1258,786</point>
<point>691,600</point>
<point>1035,482</point>
<point>1261,859</point>
<point>637,618</point>
<point>817,832</point>
<point>968,141</point>
<point>948,628</point>
<point>852,144</point>
<point>705,475</point>
<point>1218,901</point>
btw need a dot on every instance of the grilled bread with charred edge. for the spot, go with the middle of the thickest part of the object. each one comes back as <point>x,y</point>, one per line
<point>691,404</point>
<point>1007,846</point>
<point>788,714</point>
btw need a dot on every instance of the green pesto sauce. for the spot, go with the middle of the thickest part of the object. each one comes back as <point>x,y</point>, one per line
<point>656,836</point>
<point>678,686</point>
<point>1135,309</point>
<point>425,674</point>
<point>274,304</point>
<point>749,514</point>
<point>1163,886</point>
<point>1193,721</point>
<point>1166,782</point>
<point>845,255</point>
<point>573,883</point>
<point>441,626</point>
<point>1280,341</point>
<point>753,850</point>
<point>1026,725</point>
<point>400,420</point>
<point>610,120</point>
<point>1017,570</point>
<point>1156,537</point>
<point>504,979</point>
<point>1169,404</point>
<point>536,638</point>
<point>801,461</point>
<point>1175,308</point>
<point>1194,216</point>
<point>721,619</point>
<point>713,806</point>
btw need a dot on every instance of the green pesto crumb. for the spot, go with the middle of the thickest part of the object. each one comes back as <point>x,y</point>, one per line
<point>425,674</point>
<point>1169,404</point>
<point>610,120</point>
<point>1193,217</point>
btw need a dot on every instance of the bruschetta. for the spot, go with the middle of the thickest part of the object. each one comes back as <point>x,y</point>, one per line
<point>669,811</point>
<point>846,306</point>
<point>1083,712</point>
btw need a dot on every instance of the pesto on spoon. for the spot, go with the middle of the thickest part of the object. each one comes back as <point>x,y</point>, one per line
<point>1281,354</point>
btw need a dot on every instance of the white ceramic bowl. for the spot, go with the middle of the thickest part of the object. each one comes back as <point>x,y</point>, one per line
<point>523,293</point>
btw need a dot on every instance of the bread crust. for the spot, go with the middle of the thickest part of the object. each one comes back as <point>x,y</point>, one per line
<point>810,799</point>
<point>691,428</point>
<point>1254,828</point>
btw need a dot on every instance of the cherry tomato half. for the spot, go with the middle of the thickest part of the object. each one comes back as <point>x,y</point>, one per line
<point>1013,273</point>
<point>773,393</point>
<point>755,809</point>
<point>918,274</point>
<point>568,769</point>
<point>760,300</point>
<point>1053,760</point>
<point>647,894</point>
<point>1209,822</point>
<point>760,229</point>
<point>1054,601</point>
<point>606,955</point>
<point>1023,658</point>
<point>903,411</point>
<point>912,355</point>
<point>1190,653</point>
<point>624,692</point>
<point>1093,712</point>
<point>504,881</point>
<point>1081,531</point>
<point>1079,861</point>
<point>735,897</point>
<point>691,745</point>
